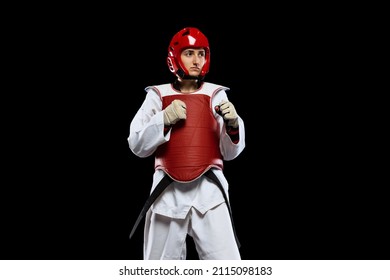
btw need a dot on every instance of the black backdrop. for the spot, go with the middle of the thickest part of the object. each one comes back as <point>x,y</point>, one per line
<point>75,189</point>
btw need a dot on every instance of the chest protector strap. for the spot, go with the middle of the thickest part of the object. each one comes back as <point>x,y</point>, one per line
<point>164,183</point>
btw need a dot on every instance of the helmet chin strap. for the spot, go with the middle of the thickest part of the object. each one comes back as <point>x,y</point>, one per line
<point>182,76</point>
<point>189,77</point>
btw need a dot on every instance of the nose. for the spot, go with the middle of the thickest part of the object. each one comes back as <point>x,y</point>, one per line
<point>196,60</point>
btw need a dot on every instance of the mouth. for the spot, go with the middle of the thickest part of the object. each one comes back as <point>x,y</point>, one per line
<point>195,69</point>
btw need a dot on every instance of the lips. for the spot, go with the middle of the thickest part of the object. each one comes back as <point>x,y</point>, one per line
<point>194,69</point>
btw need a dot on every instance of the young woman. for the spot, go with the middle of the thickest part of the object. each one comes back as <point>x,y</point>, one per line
<point>191,128</point>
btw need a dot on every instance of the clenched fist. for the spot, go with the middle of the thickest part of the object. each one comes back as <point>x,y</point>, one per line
<point>174,112</point>
<point>229,114</point>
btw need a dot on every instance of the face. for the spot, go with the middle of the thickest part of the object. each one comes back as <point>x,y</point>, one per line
<point>193,60</point>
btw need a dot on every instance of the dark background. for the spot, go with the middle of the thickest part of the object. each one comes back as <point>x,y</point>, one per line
<point>302,189</point>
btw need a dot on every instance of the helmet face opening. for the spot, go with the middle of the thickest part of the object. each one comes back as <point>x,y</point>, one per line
<point>188,37</point>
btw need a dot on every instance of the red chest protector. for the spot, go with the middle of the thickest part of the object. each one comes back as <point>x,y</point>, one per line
<point>193,147</point>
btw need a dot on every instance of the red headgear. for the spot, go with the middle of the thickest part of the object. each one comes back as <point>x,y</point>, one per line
<point>188,37</point>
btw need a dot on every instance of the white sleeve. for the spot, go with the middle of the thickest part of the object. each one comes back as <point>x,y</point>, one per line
<point>147,126</point>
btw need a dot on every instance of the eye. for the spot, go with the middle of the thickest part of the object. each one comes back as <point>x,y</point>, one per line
<point>188,53</point>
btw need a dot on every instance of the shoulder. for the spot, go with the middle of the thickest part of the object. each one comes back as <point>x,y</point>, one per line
<point>158,88</point>
<point>162,90</point>
<point>214,87</point>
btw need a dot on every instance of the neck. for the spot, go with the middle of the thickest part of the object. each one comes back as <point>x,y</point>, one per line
<point>188,85</point>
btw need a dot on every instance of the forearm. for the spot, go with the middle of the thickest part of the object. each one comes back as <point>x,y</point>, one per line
<point>145,137</point>
<point>232,142</point>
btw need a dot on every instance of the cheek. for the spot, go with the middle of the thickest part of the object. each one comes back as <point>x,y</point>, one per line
<point>185,60</point>
<point>190,63</point>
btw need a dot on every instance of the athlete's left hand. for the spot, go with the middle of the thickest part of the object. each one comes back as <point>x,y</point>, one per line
<point>229,113</point>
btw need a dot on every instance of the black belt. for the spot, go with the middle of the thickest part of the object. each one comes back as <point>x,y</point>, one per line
<point>164,183</point>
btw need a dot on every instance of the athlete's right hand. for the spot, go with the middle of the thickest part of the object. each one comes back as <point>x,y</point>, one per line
<point>174,112</point>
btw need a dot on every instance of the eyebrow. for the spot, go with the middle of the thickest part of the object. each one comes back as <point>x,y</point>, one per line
<point>193,50</point>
